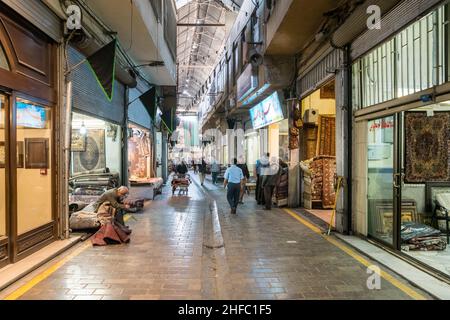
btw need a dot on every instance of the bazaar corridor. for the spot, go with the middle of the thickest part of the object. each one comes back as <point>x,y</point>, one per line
<point>192,248</point>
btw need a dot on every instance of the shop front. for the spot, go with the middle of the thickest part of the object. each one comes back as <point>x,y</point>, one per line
<point>318,151</point>
<point>98,139</point>
<point>402,172</point>
<point>140,155</point>
<point>270,135</point>
<point>320,127</point>
<point>28,112</point>
<point>142,149</point>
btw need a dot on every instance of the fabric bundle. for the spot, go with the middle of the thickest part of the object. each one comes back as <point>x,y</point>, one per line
<point>110,231</point>
<point>417,236</point>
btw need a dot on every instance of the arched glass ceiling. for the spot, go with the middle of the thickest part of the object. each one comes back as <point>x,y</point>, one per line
<point>199,48</point>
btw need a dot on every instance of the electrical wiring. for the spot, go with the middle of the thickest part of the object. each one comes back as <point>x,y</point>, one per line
<point>131,26</point>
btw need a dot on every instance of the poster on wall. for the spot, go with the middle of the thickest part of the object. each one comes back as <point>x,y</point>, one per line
<point>78,141</point>
<point>93,157</point>
<point>267,112</point>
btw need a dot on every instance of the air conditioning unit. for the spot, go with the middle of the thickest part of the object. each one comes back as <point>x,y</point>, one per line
<point>311,116</point>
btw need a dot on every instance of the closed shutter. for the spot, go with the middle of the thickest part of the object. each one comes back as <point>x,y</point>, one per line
<point>312,78</point>
<point>397,19</point>
<point>38,14</point>
<point>89,98</point>
<point>137,113</point>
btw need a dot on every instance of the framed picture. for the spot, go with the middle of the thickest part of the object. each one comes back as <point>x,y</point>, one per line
<point>20,154</point>
<point>386,218</point>
<point>328,91</point>
<point>37,153</point>
<point>78,141</point>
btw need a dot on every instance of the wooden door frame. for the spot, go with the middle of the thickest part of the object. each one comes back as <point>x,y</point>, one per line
<point>7,238</point>
<point>49,227</point>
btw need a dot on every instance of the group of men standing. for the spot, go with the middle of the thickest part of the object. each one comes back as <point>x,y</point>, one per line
<point>268,174</point>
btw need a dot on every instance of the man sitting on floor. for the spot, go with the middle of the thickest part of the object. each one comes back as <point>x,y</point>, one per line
<point>115,197</point>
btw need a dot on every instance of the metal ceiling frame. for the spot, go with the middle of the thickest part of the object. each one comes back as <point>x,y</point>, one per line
<point>201,38</point>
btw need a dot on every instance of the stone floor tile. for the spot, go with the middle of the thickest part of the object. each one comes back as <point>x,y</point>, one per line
<point>171,257</point>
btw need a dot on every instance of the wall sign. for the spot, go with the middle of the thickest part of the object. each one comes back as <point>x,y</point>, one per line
<point>267,112</point>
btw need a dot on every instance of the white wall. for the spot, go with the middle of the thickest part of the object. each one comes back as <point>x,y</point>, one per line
<point>359,182</point>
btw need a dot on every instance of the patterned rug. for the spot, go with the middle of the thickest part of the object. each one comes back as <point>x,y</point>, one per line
<point>427,147</point>
<point>326,144</point>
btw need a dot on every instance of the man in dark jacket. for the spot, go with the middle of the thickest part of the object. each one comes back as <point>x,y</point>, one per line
<point>243,166</point>
<point>182,168</point>
<point>270,181</point>
<point>202,169</point>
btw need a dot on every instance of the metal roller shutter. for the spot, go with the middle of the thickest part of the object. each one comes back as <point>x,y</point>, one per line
<point>356,24</point>
<point>39,15</point>
<point>318,74</point>
<point>88,97</point>
<point>398,18</point>
<point>137,112</point>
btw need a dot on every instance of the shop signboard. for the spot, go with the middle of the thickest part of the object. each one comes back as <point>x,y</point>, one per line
<point>246,83</point>
<point>267,112</point>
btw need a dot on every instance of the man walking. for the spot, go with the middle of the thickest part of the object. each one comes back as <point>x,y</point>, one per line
<point>270,181</point>
<point>234,178</point>
<point>215,170</point>
<point>261,170</point>
<point>202,169</point>
<point>243,166</point>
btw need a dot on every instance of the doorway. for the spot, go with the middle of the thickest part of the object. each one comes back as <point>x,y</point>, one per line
<point>383,192</point>
<point>27,221</point>
<point>318,140</point>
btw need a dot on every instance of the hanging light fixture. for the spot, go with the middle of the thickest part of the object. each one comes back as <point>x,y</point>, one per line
<point>83,129</point>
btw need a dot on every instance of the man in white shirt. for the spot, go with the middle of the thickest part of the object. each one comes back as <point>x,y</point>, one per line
<point>234,179</point>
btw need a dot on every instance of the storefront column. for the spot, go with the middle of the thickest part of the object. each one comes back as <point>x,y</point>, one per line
<point>274,140</point>
<point>124,176</point>
<point>343,136</point>
<point>231,145</point>
<point>165,156</point>
<point>294,170</point>
<point>264,141</point>
<point>240,141</point>
<point>217,145</point>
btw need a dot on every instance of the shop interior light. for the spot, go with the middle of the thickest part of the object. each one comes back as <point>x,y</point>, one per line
<point>83,129</point>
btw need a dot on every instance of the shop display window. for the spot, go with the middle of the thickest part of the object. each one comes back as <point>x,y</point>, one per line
<point>425,188</point>
<point>139,155</point>
<point>34,172</point>
<point>410,62</point>
<point>96,145</point>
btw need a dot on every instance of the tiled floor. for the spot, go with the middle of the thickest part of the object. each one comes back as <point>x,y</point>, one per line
<point>192,248</point>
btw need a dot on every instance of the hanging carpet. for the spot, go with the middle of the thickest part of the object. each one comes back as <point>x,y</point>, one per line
<point>427,147</point>
<point>326,144</point>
